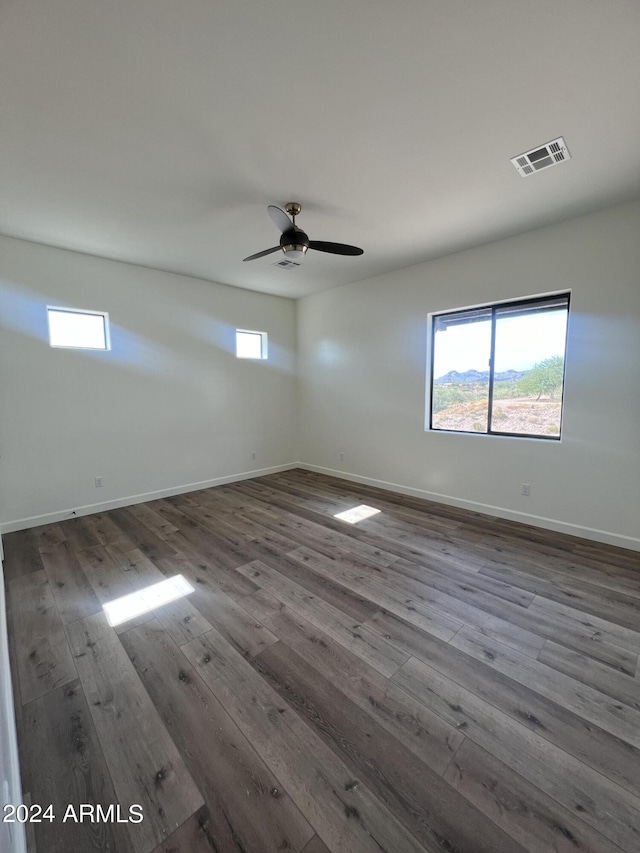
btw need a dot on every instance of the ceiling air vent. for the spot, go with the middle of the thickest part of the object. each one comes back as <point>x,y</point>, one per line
<point>542,157</point>
<point>286,265</point>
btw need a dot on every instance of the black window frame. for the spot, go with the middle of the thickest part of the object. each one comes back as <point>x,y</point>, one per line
<point>494,307</point>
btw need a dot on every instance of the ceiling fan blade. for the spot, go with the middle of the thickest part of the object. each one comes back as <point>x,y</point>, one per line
<point>335,248</point>
<point>279,218</point>
<point>262,254</point>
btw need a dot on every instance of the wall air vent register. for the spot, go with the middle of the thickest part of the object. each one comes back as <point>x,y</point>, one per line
<point>543,157</point>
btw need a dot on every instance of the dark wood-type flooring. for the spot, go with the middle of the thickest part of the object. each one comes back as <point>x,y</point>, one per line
<point>428,679</point>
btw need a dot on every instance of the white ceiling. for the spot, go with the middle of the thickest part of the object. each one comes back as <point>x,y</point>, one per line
<point>157,131</point>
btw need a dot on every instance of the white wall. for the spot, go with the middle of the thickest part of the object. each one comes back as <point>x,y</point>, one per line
<point>168,406</point>
<point>12,836</point>
<point>362,354</point>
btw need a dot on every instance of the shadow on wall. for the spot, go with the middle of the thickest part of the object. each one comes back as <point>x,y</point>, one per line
<point>211,330</point>
<point>25,313</point>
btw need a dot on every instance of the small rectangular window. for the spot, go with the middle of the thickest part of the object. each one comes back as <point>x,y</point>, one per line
<point>251,344</point>
<point>499,369</point>
<point>75,329</point>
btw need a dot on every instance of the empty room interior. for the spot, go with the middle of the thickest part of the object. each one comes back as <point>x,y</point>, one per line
<point>320,426</point>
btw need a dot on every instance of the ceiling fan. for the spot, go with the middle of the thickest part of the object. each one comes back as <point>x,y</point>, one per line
<point>294,242</point>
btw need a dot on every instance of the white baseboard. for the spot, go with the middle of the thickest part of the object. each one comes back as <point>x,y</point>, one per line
<point>596,535</point>
<point>12,835</point>
<point>89,509</point>
<point>605,536</point>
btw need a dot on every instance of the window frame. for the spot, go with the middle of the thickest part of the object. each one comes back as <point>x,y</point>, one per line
<point>264,345</point>
<point>62,310</point>
<point>494,307</point>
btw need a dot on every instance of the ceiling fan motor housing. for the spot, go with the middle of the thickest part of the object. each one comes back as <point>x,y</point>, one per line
<point>294,243</point>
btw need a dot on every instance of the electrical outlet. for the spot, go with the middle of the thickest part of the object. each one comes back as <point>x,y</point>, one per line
<point>99,481</point>
<point>526,489</point>
<point>342,457</point>
<point>253,454</point>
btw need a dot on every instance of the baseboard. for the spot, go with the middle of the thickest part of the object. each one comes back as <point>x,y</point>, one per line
<point>12,836</point>
<point>605,536</point>
<point>570,529</point>
<point>89,509</point>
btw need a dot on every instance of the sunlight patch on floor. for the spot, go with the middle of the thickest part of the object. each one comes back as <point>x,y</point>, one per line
<point>145,600</point>
<point>358,513</point>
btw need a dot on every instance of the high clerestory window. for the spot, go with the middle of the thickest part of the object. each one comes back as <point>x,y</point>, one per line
<point>499,369</point>
<point>72,328</point>
<point>251,344</point>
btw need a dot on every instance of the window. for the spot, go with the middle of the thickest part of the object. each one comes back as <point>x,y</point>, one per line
<point>77,329</point>
<point>499,369</point>
<point>251,344</point>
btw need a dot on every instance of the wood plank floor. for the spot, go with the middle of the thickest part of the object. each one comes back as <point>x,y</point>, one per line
<point>429,679</point>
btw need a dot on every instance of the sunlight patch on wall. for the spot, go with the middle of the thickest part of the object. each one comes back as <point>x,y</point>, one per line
<point>145,600</point>
<point>358,513</point>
